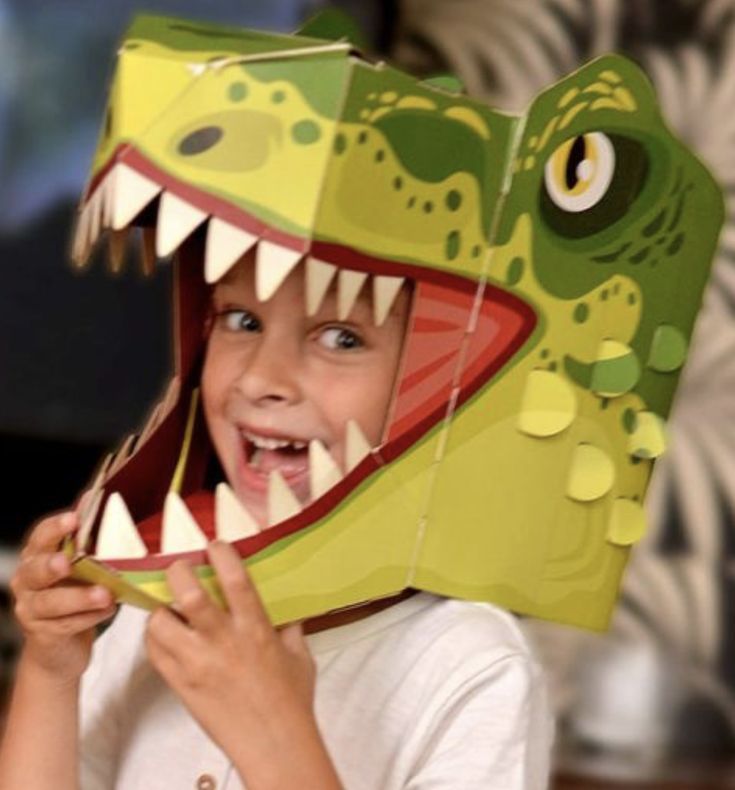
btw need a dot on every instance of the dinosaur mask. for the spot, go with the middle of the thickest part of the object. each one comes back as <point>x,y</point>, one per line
<point>557,262</point>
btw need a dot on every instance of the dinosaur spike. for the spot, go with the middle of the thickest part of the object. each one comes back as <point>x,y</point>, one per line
<point>95,216</point>
<point>318,277</point>
<point>177,219</point>
<point>357,446</point>
<point>180,532</point>
<point>282,502</point>
<point>118,243</point>
<point>349,284</point>
<point>273,264</point>
<point>385,290</point>
<point>226,244</point>
<point>122,455</point>
<point>118,537</point>
<point>323,470</point>
<point>87,516</point>
<point>233,521</point>
<point>129,193</point>
<point>148,251</point>
<point>81,246</point>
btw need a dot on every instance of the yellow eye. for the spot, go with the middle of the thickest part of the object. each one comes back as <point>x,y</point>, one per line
<point>578,173</point>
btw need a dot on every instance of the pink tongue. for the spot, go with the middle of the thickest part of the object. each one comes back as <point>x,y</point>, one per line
<point>288,462</point>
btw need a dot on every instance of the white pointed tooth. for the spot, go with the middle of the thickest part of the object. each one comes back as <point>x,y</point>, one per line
<point>385,290</point>
<point>129,192</point>
<point>319,275</point>
<point>233,522</point>
<point>349,284</point>
<point>282,502</point>
<point>226,244</point>
<point>148,251</point>
<point>357,446</point>
<point>118,537</point>
<point>81,246</point>
<point>273,264</point>
<point>180,532</point>
<point>323,470</point>
<point>177,219</point>
<point>95,216</point>
<point>118,243</point>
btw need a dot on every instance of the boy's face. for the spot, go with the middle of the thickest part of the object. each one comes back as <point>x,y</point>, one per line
<point>273,374</point>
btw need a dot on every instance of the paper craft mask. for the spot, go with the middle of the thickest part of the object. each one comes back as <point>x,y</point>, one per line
<point>558,261</point>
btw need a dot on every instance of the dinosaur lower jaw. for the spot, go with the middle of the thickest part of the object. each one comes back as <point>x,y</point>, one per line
<point>443,363</point>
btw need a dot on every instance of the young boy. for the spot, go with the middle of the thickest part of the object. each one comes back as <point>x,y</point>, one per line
<point>415,691</point>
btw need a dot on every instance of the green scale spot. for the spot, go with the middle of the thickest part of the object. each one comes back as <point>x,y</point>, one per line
<point>397,183</point>
<point>603,295</point>
<point>453,200</point>
<point>379,155</point>
<point>668,349</point>
<point>237,91</point>
<point>515,271</point>
<point>476,250</point>
<point>305,132</point>
<point>631,298</point>
<point>452,247</point>
<point>278,96</point>
<point>581,313</point>
<point>362,137</point>
<point>428,207</point>
<point>411,202</point>
<point>545,353</point>
<point>340,144</point>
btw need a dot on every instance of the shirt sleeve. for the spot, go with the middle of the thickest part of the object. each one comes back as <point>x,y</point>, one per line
<point>494,731</point>
<point>105,687</point>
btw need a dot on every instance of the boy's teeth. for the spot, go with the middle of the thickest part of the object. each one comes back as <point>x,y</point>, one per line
<point>273,263</point>
<point>179,532</point>
<point>177,219</point>
<point>357,446</point>
<point>118,538</point>
<point>282,502</point>
<point>232,520</point>
<point>226,244</point>
<point>266,443</point>
<point>349,284</point>
<point>323,471</point>
<point>319,275</point>
<point>128,193</point>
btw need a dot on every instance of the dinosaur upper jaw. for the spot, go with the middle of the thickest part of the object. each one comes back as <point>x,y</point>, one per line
<point>461,332</point>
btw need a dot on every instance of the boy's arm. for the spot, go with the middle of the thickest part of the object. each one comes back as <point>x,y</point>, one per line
<point>250,686</point>
<point>40,745</point>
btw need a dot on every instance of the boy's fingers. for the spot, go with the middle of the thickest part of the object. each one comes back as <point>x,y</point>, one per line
<point>51,531</point>
<point>68,601</point>
<point>191,599</point>
<point>76,624</point>
<point>237,587</point>
<point>42,571</point>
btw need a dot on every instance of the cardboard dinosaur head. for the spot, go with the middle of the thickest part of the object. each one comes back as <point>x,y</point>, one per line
<point>557,259</point>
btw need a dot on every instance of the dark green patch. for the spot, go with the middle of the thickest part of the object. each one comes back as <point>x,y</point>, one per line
<point>552,365</point>
<point>581,313</point>
<point>428,207</point>
<point>200,140</point>
<point>379,155</point>
<point>237,91</point>
<point>655,224</point>
<point>632,298</point>
<point>611,257</point>
<point>411,202</point>
<point>453,200</point>
<point>476,250</point>
<point>640,256</point>
<point>515,271</point>
<point>340,144</point>
<point>675,245</point>
<point>397,183</point>
<point>452,245</point>
<point>545,353</point>
<point>362,137</point>
<point>306,132</point>
<point>278,97</point>
<point>629,420</point>
<point>603,295</point>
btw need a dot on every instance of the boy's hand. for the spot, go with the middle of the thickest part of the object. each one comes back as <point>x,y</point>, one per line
<point>56,614</point>
<point>250,686</point>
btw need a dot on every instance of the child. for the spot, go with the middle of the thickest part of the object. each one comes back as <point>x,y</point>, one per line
<point>414,692</point>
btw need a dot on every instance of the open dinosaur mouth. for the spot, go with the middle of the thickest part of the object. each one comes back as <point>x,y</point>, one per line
<point>460,333</point>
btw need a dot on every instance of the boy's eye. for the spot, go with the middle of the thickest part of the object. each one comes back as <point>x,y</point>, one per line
<point>339,338</point>
<point>240,321</point>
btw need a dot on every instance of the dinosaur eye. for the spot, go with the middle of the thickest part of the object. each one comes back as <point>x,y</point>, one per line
<point>579,172</point>
<point>590,182</point>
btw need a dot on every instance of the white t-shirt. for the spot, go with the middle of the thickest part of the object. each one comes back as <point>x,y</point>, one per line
<point>428,694</point>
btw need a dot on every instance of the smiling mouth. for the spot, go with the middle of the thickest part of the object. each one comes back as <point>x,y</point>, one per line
<point>132,191</point>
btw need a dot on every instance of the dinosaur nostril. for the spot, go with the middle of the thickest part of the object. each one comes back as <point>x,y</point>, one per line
<point>200,140</point>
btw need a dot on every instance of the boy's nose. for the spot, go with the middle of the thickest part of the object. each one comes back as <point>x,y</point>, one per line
<point>270,375</point>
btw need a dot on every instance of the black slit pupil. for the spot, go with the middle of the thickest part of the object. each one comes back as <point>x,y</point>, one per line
<point>576,157</point>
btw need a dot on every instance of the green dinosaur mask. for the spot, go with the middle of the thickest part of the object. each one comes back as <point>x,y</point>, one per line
<point>558,261</point>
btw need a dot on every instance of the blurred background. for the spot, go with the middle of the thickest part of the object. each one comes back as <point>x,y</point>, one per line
<point>652,703</point>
